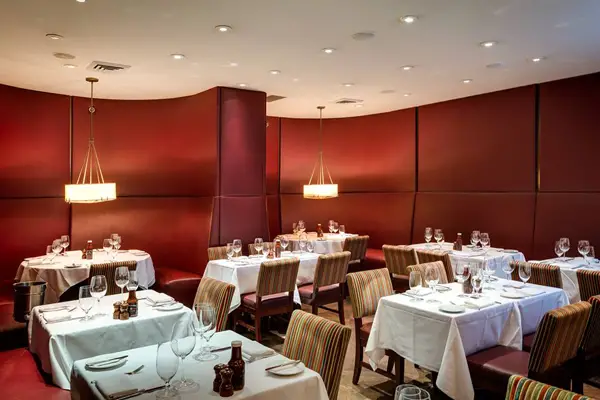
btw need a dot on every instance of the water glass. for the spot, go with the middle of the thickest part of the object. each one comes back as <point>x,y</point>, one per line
<point>414,282</point>
<point>330,225</point>
<point>167,364</point>
<point>432,277</point>
<point>183,341</point>
<point>121,277</point>
<point>557,250</point>
<point>86,301</point>
<point>229,251</point>
<point>428,235</point>
<point>484,238</point>
<point>258,245</point>
<point>438,235</point>
<point>302,242</point>
<point>463,273</point>
<point>310,246</point>
<point>49,254</point>
<point>237,246</point>
<point>565,245</point>
<point>64,242</point>
<point>342,229</point>
<point>583,247</point>
<point>477,281</point>
<point>411,392</point>
<point>284,242</point>
<point>204,323</point>
<point>475,238</point>
<point>508,268</point>
<point>56,247</point>
<point>98,288</point>
<point>524,272</point>
<point>132,283</point>
<point>301,226</point>
<point>107,246</point>
<point>266,248</point>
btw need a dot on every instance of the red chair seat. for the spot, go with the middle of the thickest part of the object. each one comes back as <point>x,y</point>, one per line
<point>268,301</point>
<point>495,366</point>
<point>374,259</point>
<point>528,342</point>
<point>330,292</point>
<point>181,285</point>
<point>365,331</point>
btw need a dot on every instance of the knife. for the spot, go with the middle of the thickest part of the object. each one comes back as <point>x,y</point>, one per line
<point>110,360</point>
<point>285,364</point>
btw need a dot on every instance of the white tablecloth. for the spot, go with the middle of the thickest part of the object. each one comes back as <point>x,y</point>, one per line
<point>59,278</point>
<point>259,385</point>
<point>569,270</point>
<point>244,276</point>
<point>440,342</point>
<point>59,344</point>
<point>329,243</point>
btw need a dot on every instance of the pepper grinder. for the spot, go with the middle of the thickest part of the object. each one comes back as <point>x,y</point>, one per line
<point>226,389</point>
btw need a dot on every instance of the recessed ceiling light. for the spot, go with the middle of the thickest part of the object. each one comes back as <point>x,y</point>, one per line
<point>242,85</point>
<point>64,56</point>
<point>70,66</point>
<point>348,84</point>
<point>178,56</point>
<point>467,80</point>
<point>295,80</point>
<point>328,50</point>
<point>358,105</point>
<point>406,94</point>
<point>408,67</point>
<point>388,91</point>
<point>538,59</point>
<point>363,36</point>
<point>409,19</point>
<point>488,44</point>
<point>274,72</point>
<point>81,1</point>
<point>495,65</point>
<point>233,64</point>
<point>54,36</point>
<point>223,28</point>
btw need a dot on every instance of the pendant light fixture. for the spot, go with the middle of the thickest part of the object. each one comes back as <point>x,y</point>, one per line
<point>87,189</point>
<point>320,189</point>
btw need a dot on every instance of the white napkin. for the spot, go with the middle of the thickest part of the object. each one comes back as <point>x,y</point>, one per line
<point>478,304</point>
<point>159,298</point>
<point>420,291</point>
<point>111,388</point>
<point>253,351</point>
<point>530,291</point>
<point>56,316</point>
<point>138,253</point>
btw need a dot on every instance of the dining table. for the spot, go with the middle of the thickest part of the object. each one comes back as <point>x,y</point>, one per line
<point>329,243</point>
<point>568,270</point>
<point>64,271</point>
<point>259,384</point>
<point>438,330</point>
<point>59,336</point>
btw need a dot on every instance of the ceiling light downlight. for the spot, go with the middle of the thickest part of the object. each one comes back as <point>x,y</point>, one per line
<point>488,44</point>
<point>223,28</point>
<point>64,56</point>
<point>328,50</point>
<point>348,84</point>
<point>178,56</point>
<point>467,81</point>
<point>275,72</point>
<point>54,36</point>
<point>409,19</point>
<point>408,67</point>
<point>242,85</point>
<point>320,190</point>
<point>70,66</point>
<point>538,59</point>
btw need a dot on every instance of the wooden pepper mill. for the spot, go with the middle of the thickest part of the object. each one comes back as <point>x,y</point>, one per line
<point>226,389</point>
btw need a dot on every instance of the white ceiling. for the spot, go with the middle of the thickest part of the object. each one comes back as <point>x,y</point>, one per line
<point>288,35</point>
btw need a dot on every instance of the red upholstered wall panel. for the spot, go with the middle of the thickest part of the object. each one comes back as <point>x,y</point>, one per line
<point>374,153</point>
<point>272,156</point>
<point>242,142</point>
<point>507,217</point>
<point>569,139</point>
<point>480,143</point>
<point>152,147</point>
<point>34,143</point>
<point>173,230</point>
<point>274,215</point>
<point>243,218</point>
<point>572,215</point>
<point>27,226</point>
<point>385,217</point>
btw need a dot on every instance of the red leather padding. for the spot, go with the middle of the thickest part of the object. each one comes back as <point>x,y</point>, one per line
<point>27,226</point>
<point>181,285</point>
<point>569,139</point>
<point>34,143</point>
<point>572,215</point>
<point>507,217</point>
<point>385,217</point>
<point>480,143</point>
<point>372,153</point>
<point>374,259</point>
<point>272,157</point>
<point>173,230</point>
<point>151,147</point>
<point>274,215</point>
<point>243,218</point>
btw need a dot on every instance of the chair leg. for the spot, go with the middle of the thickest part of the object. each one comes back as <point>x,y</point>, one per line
<point>399,363</point>
<point>341,311</point>
<point>315,309</point>
<point>257,334</point>
<point>358,358</point>
<point>390,364</point>
<point>577,385</point>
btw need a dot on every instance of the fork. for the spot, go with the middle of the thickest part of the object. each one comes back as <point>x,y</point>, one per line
<point>135,371</point>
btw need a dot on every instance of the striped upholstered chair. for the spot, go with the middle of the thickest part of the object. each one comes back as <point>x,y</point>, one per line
<point>427,256</point>
<point>443,278</point>
<point>366,288</point>
<point>328,285</point>
<point>217,253</point>
<point>357,246</point>
<point>108,270</point>
<point>521,388</point>
<point>320,344</point>
<point>589,283</point>
<point>219,295</point>
<point>555,347</point>
<point>274,292</point>
<point>397,259</point>
<point>588,360</point>
<point>541,274</point>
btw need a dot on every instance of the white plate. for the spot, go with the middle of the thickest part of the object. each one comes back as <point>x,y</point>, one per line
<point>451,308</point>
<point>511,251</point>
<point>102,367</point>
<point>512,295</point>
<point>169,307</point>
<point>287,371</point>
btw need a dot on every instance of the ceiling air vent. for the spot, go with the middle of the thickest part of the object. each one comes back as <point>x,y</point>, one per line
<point>102,66</point>
<point>273,98</point>
<point>348,101</point>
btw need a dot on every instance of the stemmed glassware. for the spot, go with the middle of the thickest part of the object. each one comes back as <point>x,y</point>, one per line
<point>476,281</point>
<point>237,246</point>
<point>107,246</point>
<point>284,242</point>
<point>117,245</point>
<point>64,242</point>
<point>310,246</point>
<point>98,288</point>
<point>432,277</point>
<point>489,270</point>
<point>583,246</point>
<point>335,227</point>
<point>330,225</point>
<point>121,277</point>
<point>204,324</point>
<point>342,229</point>
<point>557,250</point>
<point>565,245</point>
<point>302,242</point>
<point>56,248</point>
<point>183,341</point>
<point>258,245</point>
<point>132,283</point>
<point>167,364</point>
<point>301,227</point>
<point>414,282</point>
<point>86,301</point>
<point>411,392</point>
<point>438,235</point>
<point>475,238</point>
<point>463,273</point>
<point>508,268</point>
<point>524,273</point>
<point>266,248</point>
<point>229,250</point>
<point>484,238</point>
<point>428,235</point>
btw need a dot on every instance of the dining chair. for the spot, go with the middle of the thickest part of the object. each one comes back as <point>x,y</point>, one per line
<point>397,260</point>
<point>554,349</point>
<point>217,253</point>
<point>108,270</point>
<point>328,284</point>
<point>357,246</point>
<point>274,292</point>
<point>252,250</point>
<point>320,344</point>
<point>219,295</point>
<point>587,366</point>
<point>422,268</point>
<point>541,274</point>
<point>522,388</point>
<point>366,288</point>
<point>589,283</point>
<point>427,256</point>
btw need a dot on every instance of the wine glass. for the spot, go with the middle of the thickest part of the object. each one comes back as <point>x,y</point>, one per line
<point>310,246</point>
<point>284,242</point>
<point>432,277</point>
<point>98,288</point>
<point>508,268</point>
<point>295,228</point>
<point>121,277</point>
<point>113,238</point>
<point>484,238</point>
<point>557,250</point>
<point>205,324</point>
<point>525,272</point>
<point>565,245</point>
<point>301,226</point>
<point>132,283</point>
<point>56,247</point>
<point>237,246</point>
<point>411,392</point>
<point>336,227</point>
<point>475,238</point>
<point>476,281</point>
<point>266,248</point>
<point>302,242</point>
<point>583,247</point>
<point>107,246</point>
<point>117,241</point>
<point>414,282</point>
<point>183,341</point>
<point>64,242</point>
<point>463,273</point>
<point>258,245</point>
<point>438,235</point>
<point>489,271</point>
<point>342,229</point>
<point>86,301</point>
<point>229,250</point>
<point>49,254</point>
<point>330,225</point>
<point>428,235</point>
<point>167,364</point>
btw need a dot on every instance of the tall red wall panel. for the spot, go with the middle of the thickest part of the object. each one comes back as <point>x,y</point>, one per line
<point>272,155</point>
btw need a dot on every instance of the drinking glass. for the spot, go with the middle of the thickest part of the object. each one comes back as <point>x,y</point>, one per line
<point>64,242</point>
<point>205,325</point>
<point>411,392</point>
<point>107,246</point>
<point>342,229</point>
<point>121,277</point>
<point>463,273</point>
<point>414,282</point>
<point>477,281</point>
<point>301,226</point>
<point>49,254</point>
<point>229,251</point>
<point>284,242</point>
<point>438,235</point>
<point>56,247</point>
<point>336,227</point>
<point>432,277</point>
<point>117,242</point>
<point>557,250</point>
<point>295,228</point>
<point>565,245</point>
<point>508,268</point>
<point>302,242</point>
<point>428,235</point>
<point>489,271</point>
<point>113,238</point>
<point>258,245</point>
<point>266,248</point>
<point>330,225</point>
<point>525,273</point>
<point>132,283</point>
<point>484,238</point>
<point>583,247</point>
<point>86,301</point>
<point>310,246</point>
<point>183,341</point>
<point>98,288</point>
<point>237,246</point>
<point>167,364</point>
<point>475,238</point>
<point>592,254</point>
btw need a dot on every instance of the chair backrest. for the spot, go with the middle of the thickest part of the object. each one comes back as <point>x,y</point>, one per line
<point>320,344</point>
<point>217,253</point>
<point>521,388</point>
<point>357,246</point>
<point>219,295</point>
<point>331,269</point>
<point>427,256</point>
<point>590,344</point>
<point>589,283</point>
<point>558,336</point>
<point>423,267</point>
<point>277,276</point>
<point>366,288</point>
<point>541,274</point>
<point>108,270</point>
<point>398,258</point>
<point>252,250</point>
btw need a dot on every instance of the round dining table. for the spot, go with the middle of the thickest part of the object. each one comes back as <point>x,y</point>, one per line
<point>64,271</point>
<point>329,243</point>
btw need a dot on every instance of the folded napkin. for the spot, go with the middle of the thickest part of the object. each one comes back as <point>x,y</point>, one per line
<point>478,304</point>
<point>138,253</point>
<point>114,388</point>
<point>465,253</point>
<point>253,351</point>
<point>420,291</point>
<point>512,251</point>
<point>56,316</point>
<point>159,298</point>
<point>256,256</point>
<point>531,291</point>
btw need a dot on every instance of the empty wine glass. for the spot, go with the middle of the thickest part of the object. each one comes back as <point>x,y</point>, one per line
<point>56,247</point>
<point>229,251</point>
<point>295,228</point>
<point>310,246</point>
<point>64,242</point>
<point>524,272</point>
<point>205,325</point>
<point>98,288</point>
<point>86,301</point>
<point>266,248</point>
<point>237,247</point>
<point>167,364</point>
<point>432,277</point>
<point>301,226</point>
<point>414,282</point>
<point>508,268</point>
<point>438,235</point>
<point>302,242</point>
<point>118,242</point>
<point>183,341</point>
<point>565,245</point>
<point>107,246</point>
<point>284,242</point>
<point>411,392</point>
<point>428,235</point>
<point>557,250</point>
<point>330,225</point>
<point>484,238</point>
<point>258,245</point>
<point>121,277</point>
<point>132,283</point>
<point>583,247</point>
<point>463,273</point>
<point>476,281</point>
<point>489,271</point>
<point>336,227</point>
<point>49,254</point>
<point>342,229</point>
<point>475,238</point>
